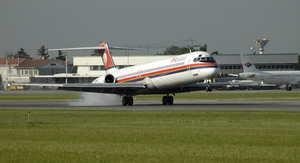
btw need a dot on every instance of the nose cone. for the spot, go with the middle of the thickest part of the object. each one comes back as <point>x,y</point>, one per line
<point>213,72</point>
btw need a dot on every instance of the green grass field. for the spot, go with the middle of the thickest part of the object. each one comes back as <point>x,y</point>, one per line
<point>142,136</point>
<point>39,97</point>
<point>286,96</point>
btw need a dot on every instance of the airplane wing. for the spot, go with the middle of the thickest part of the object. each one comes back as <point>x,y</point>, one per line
<point>113,88</point>
<point>130,88</point>
<point>250,75</point>
<point>193,87</point>
<point>203,86</point>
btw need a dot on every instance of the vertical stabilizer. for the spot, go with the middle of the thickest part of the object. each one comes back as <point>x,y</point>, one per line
<point>248,65</point>
<point>108,62</point>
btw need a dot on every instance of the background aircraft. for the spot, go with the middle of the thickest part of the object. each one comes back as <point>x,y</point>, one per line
<point>287,78</point>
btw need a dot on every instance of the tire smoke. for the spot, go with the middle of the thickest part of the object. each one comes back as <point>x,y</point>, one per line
<point>97,99</point>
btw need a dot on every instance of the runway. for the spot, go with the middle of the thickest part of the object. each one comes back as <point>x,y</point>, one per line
<point>155,105</point>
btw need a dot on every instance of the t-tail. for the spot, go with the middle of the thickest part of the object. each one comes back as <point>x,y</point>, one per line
<point>108,62</point>
<point>248,65</point>
<point>103,49</point>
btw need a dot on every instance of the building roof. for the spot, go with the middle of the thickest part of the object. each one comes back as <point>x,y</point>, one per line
<point>34,63</point>
<point>281,58</point>
<point>13,61</point>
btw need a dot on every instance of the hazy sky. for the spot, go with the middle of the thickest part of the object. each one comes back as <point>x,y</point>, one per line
<point>228,26</point>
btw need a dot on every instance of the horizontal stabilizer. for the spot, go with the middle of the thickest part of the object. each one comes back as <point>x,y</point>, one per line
<point>123,48</point>
<point>92,48</point>
<point>79,48</point>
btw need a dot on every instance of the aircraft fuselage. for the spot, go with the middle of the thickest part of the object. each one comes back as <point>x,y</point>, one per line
<point>168,73</point>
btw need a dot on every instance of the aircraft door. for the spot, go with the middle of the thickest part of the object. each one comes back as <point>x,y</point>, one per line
<point>139,74</point>
<point>188,64</point>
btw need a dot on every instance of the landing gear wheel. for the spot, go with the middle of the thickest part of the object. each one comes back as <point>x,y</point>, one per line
<point>164,100</point>
<point>288,87</point>
<point>127,100</point>
<point>130,101</point>
<point>124,101</point>
<point>208,89</point>
<point>168,100</point>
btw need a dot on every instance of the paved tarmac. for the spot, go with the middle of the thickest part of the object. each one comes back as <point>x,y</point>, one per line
<point>155,105</point>
<point>201,105</point>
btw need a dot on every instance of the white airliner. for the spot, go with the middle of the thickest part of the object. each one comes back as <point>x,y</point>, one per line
<point>287,78</point>
<point>169,76</point>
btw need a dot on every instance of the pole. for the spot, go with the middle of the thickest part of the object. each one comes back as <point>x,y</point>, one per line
<point>66,68</point>
<point>28,116</point>
<point>127,58</point>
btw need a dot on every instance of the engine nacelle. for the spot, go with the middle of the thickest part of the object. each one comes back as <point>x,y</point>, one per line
<point>109,79</point>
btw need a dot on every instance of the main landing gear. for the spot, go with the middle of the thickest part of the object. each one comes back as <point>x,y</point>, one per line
<point>167,100</point>
<point>127,100</point>
<point>288,87</point>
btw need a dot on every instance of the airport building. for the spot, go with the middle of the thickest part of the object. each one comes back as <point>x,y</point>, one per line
<point>25,70</point>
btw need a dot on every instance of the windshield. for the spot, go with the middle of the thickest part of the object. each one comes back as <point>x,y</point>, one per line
<point>204,59</point>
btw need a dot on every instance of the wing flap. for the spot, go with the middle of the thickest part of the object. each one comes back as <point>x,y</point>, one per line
<point>113,88</point>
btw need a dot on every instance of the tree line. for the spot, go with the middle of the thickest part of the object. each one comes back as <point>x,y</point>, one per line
<point>173,50</point>
<point>41,52</point>
<point>176,50</point>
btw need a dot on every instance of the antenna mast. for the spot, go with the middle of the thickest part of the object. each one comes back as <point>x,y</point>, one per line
<point>261,43</point>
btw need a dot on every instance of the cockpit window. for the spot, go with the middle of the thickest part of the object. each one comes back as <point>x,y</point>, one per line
<point>204,59</point>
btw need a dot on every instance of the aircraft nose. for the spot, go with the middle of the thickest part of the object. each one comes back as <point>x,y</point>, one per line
<point>214,72</point>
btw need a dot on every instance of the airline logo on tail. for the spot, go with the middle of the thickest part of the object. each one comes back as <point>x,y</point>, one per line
<point>106,57</point>
<point>248,64</point>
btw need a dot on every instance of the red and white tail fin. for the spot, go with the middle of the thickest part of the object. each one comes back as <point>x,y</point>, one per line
<point>103,49</point>
<point>108,62</point>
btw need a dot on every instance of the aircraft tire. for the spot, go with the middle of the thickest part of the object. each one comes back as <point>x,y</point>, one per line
<point>165,100</point>
<point>130,101</point>
<point>124,101</point>
<point>170,100</point>
<point>288,87</point>
<point>208,89</point>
